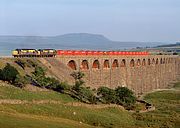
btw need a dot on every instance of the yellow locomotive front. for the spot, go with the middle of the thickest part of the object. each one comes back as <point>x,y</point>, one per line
<point>25,53</point>
<point>47,52</point>
<point>34,53</point>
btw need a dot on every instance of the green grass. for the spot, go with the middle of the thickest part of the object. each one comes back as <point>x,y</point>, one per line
<point>163,95</point>
<point>105,117</point>
<point>166,115</point>
<point>109,117</point>
<point>177,85</point>
<point>30,121</point>
<point>10,92</point>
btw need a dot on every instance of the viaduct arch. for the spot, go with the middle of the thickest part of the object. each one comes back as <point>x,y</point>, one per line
<point>139,73</point>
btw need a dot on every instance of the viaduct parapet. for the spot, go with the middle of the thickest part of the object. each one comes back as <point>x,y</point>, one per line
<point>138,73</point>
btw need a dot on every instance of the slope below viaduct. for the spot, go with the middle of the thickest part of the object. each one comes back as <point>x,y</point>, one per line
<point>138,73</point>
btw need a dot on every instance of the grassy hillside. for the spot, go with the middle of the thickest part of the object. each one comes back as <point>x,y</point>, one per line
<point>13,93</point>
<point>41,108</point>
<point>64,114</point>
<point>167,113</point>
<point>53,113</point>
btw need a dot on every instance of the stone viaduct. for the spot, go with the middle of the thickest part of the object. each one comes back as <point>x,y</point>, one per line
<point>138,73</point>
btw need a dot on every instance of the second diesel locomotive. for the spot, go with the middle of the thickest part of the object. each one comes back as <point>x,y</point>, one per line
<point>34,53</point>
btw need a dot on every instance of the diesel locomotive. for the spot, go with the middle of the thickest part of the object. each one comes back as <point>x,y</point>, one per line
<point>34,53</point>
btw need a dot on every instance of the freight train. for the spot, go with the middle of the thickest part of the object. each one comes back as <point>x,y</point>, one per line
<point>53,53</point>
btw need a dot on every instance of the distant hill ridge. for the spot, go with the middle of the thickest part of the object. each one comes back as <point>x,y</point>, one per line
<point>66,38</point>
<point>83,41</point>
<point>83,37</point>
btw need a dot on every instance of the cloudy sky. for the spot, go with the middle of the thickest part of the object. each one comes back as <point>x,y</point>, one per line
<point>122,20</point>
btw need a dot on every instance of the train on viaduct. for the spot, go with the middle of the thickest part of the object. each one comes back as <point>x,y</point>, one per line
<point>139,71</point>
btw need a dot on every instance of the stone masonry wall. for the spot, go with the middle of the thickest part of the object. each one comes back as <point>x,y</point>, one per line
<point>139,73</point>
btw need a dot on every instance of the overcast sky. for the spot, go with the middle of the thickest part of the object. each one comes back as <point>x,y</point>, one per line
<point>122,20</point>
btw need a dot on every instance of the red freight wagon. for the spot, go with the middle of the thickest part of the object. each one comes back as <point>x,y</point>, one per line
<point>100,52</point>
<point>82,52</point>
<point>68,52</point>
<point>110,53</point>
<point>77,52</point>
<point>130,53</point>
<point>145,53</point>
<point>126,53</point>
<point>60,52</point>
<point>115,53</point>
<point>94,53</point>
<point>119,53</point>
<point>89,53</point>
<point>135,53</point>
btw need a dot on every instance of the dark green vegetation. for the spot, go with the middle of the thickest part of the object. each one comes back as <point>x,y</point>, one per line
<point>11,75</point>
<point>121,95</point>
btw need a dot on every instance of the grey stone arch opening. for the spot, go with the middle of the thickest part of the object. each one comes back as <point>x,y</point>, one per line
<point>96,64</point>
<point>138,63</point>
<point>115,64</point>
<point>132,63</point>
<point>84,65</point>
<point>72,64</point>
<point>123,63</point>
<point>157,61</point>
<point>149,62</point>
<point>106,64</point>
<point>153,61</point>
<point>164,60</point>
<point>161,61</point>
<point>144,62</point>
